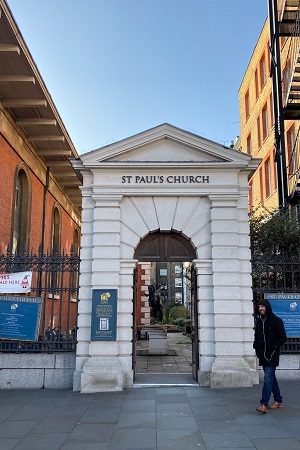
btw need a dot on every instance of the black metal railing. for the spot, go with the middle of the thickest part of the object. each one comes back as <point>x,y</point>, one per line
<point>55,280</point>
<point>276,273</point>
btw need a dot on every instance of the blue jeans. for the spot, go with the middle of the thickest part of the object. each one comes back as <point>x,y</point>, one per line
<point>270,386</point>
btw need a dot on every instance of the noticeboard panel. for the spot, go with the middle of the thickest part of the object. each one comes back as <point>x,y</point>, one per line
<point>287,307</point>
<point>20,317</point>
<point>104,315</point>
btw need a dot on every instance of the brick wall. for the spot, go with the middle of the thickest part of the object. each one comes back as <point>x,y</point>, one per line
<point>9,162</point>
<point>259,96</point>
<point>142,303</point>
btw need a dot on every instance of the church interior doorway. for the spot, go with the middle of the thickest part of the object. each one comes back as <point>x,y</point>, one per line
<point>165,328</point>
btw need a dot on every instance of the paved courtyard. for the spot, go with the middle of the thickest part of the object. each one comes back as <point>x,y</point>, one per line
<point>180,418</point>
<point>177,360</point>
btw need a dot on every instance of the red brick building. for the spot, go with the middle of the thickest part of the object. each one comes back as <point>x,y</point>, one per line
<point>39,190</point>
<point>40,199</point>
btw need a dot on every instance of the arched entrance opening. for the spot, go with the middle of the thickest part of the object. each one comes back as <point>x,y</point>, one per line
<point>165,325</point>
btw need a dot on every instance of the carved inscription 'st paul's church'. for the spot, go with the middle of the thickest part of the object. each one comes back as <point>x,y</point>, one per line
<point>166,180</point>
<point>159,179</point>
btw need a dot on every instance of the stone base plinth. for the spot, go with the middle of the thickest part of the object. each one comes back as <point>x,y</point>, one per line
<point>232,372</point>
<point>102,374</point>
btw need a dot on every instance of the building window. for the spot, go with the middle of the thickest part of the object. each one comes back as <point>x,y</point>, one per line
<point>263,72</point>
<point>74,271</point>
<point>55,247</point>
<point>256,84</point>
<point>55,230</point>
<point>249,144</point>
<point>286,78</point>
<point>268,177</point>
<point>250,197</point>
<point>21,212</point>
<point>265,122</point>
<point>261,184</point>
<point>258,132</point>
<point>271,110</point>
<point>290,144</point>
<point>76,242</point>
<point>247,105</point>
<point>268,57</point>
<point>275,170</point>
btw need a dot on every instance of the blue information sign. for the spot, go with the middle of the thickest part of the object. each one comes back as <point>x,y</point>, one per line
<point>104,315</point>
<point>287,307</point>
<point>20,317</point>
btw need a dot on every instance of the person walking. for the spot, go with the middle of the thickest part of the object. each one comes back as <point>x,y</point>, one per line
<point>268,338</point>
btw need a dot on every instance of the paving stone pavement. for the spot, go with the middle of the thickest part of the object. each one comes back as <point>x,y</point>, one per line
<point>164,418</point>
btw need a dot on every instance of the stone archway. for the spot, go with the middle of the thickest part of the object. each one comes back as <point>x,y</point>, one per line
<point>168,246</point>
<point>167,179</point>
<point>164,248</point>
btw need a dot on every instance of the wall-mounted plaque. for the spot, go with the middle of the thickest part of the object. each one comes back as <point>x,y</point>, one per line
<point>104,315</point>
<point>287,307</point>
<point>20,317</point>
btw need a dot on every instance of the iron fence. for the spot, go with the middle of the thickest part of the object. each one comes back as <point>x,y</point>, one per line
<point>55,280</point>
<point>273,274</point>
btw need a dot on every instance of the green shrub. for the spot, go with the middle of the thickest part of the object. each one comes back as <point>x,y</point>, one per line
<point>180,321</point>
<point>177,312</point>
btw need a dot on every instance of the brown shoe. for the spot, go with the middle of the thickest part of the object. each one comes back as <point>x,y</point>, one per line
<point>276,405</point>
<point>261,409</point>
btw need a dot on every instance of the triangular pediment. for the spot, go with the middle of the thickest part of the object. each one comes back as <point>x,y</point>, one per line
<point>162,144</point>
<point>166,150</point>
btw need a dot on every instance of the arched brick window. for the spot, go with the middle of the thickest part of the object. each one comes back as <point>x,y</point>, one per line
<point>55,238</point>
<point>76,242</point>
<point>21,210</point>
<point>55,248</point>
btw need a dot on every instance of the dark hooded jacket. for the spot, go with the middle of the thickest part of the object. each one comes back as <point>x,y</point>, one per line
<point>269,337</point>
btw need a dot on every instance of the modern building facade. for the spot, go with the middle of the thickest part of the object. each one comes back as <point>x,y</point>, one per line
<point>257,119</point>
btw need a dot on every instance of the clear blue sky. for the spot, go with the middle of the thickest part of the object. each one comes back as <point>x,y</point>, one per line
<point>118,67</point>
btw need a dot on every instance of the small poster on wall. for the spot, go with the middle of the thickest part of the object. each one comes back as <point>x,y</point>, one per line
<point>287,307</point>
<point>104,315</point>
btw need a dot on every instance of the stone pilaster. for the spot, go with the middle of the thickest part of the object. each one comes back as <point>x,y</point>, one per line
<point>125,319</point>
<point>102,370</point>
<point>232,301</point>
<point>206,327</point>
<point>85,280</point>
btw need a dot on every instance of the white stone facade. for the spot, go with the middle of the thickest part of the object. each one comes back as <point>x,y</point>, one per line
<point>167,179</point>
